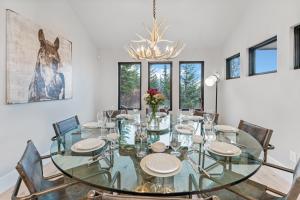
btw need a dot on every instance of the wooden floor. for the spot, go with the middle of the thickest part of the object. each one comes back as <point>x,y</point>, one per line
<point>265,175</point>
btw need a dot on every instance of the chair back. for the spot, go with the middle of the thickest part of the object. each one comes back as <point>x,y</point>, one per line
<point>262,135</point>
<point>201,113</point>
<point>30,168</point>
<point>62,127</point>
<point>295,189</point>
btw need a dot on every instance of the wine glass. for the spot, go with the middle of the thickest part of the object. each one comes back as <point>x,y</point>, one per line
<point>175,143</point>
<point>179,116</point>
<point>110,113</point>
<point>141,134</point>
<point>196,141</point>
<point>113,136</point>
<point>101,118</point>
<point>191,111</point>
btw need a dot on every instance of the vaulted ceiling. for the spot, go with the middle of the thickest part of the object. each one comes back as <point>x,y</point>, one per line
<point>198,23</point>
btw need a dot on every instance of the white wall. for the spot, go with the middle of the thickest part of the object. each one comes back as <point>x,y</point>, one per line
<point>108,75</point>
<point>18,123</point>
<point>270,100</point>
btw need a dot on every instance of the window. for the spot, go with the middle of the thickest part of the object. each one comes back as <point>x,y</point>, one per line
<point>233,67</point>
<point>297,47</point>
<point>160,77</point>
<point>263,57</point>
<point>191,85</point>
<point>130,85</point>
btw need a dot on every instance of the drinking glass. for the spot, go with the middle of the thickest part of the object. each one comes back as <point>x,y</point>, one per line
<point>110,113</point>
<point>179,116</point>
<point>175,143</point>
<point>113,136</point>
<point>101,118</point>
<point>141,133</point>
<point>191,111</point>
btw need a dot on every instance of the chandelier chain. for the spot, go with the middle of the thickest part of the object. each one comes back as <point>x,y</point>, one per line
<point>154,9</point>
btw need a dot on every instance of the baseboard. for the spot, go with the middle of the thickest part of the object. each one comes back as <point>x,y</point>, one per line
<point>9,180</point>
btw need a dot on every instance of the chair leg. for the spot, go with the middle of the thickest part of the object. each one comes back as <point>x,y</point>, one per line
<point>265,155</point>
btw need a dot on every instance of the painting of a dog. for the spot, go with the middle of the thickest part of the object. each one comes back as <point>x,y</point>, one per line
<point>38,62</point>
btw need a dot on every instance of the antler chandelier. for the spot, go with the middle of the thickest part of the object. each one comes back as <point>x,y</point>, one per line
<point>154,48</point>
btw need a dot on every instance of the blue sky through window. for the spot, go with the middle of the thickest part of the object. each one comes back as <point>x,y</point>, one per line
<point>265,60</point>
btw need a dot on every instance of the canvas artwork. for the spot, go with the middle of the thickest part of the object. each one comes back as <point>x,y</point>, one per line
<point>38,62</point>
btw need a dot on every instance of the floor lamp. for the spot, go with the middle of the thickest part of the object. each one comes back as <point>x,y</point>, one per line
<point>211,81</point>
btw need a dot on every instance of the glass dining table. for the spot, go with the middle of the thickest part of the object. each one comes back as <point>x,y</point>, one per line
<point>120,170</point>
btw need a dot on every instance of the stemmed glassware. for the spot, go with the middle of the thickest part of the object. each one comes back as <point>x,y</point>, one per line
<point>175,143</point>
<point>191,111</point>
<point>110,113</point>
<point>141,133</point>
<point>113,136</point>
<point>179,116</point>
<point>101,118</point>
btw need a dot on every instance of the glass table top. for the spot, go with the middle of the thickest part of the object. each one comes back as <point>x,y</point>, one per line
<point>121,172</point>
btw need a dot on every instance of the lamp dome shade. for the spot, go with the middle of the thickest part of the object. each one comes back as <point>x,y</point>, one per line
<point>211,80</point>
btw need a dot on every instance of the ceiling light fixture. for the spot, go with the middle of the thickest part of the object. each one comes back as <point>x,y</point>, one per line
<point>154,48</point>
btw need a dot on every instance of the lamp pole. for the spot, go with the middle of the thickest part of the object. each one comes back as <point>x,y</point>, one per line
<point>216,109</point>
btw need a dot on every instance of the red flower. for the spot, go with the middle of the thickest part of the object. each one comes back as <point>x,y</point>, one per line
<point>152,91</point>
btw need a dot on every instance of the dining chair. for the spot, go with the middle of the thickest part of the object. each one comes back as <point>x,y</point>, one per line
<point>201,113</point>
<point>262,135</point>
<point>55,187</point>
<point>62,127</point>
<point>252,190</point>
<point>95,195</point>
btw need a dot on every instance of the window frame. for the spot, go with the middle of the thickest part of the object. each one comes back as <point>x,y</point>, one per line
<point>119,81</point>
<point>228,69</point>
<point>297,47</point>
<point>171,78</point>
<point>252,57</point>
<point>202,82</point>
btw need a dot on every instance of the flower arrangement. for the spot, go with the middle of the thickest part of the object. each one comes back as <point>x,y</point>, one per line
<point>154,98</point>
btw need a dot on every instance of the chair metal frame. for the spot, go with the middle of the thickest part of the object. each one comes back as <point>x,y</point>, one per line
<point>35,195</point>
<point>266,143</point>
<point>277,192</point>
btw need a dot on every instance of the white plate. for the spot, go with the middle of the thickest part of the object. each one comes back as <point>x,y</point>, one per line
<point>184,129</point>
<point>224,149</point>
<point>162,163</point>
<point>158,147</point>
<point>192,118</point>
<point>156,174</point>
<point>125,116</point>
<point>226,128</point>
<point>84,148</point>
<point>91,125</point>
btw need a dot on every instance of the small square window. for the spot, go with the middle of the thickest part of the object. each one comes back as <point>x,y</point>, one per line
<point>263,57</point>
<point>233,67</point>
<point>297,47</point>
